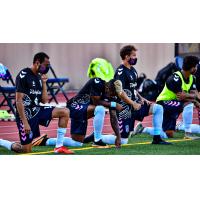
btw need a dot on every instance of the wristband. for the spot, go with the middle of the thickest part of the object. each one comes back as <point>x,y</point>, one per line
<point>113,104</point>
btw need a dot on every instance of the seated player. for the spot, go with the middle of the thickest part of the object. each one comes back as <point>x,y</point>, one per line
<point>31,90</point>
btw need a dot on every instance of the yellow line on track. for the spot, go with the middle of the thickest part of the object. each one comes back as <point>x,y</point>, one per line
<point>111,146</point>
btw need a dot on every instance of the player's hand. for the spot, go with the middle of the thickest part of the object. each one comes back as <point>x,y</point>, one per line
<point>44,78</point>
<point>143,100</point>
<point>136,106</point>
<point>119,107</point>
<point>181,96</point>
<point>118,142</point>
<point>27,128</point>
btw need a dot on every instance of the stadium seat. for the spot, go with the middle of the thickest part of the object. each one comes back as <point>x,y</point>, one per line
<point>55,85</point>
<point>8,92</point>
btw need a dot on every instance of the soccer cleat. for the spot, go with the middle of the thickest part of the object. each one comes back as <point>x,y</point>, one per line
<point>39,140</point>
<point>89,138</point>
<point>191,136</point>
<point>138,129</point>
<point>100,144</point>
<point>63,150</point>
<point>163,142</point>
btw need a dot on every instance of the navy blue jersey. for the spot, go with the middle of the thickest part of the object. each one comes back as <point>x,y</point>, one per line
<point>31,85</point>
<point>174,83</point>
<point>128,77</point>
<point>94,87</point>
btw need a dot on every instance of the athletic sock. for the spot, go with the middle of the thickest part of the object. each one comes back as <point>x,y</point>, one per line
<point>69,142</point>
<point>99,114</point>
<point>60,136</point>
<point>150,131</point>
<point>157,119</point>
<point>187,117</point>
<point>7,144</point>
<point>110,139</point>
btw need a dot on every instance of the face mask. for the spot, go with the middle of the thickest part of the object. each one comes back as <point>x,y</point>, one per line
<point>132,61</point>
<point>43,69</point>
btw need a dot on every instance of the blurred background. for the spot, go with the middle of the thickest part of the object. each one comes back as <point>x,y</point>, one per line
<point>72,60</point>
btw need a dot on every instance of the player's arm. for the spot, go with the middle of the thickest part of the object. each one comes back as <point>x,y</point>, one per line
<point>97,101</point>
<point>123,96</point>
<point>191,96</point>
<point>44,88</point>
<point>115,127</point>
<point>20,109</point>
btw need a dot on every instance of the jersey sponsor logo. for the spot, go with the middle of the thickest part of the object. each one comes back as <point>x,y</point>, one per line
<point>35,92</point>
<point>119,73</point>
<point>96,80</point>
<point>120,69</point>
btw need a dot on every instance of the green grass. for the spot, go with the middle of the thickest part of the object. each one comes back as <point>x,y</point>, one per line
<point>185,147</point>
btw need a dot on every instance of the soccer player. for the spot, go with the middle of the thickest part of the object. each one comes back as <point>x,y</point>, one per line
<point>178,97</point>
<point>128,75</point>
<point>90,102</point>
<point>31,90</point>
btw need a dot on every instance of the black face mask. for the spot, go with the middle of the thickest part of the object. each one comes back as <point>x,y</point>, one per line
<point>43,69</point>
<point>132,61</point>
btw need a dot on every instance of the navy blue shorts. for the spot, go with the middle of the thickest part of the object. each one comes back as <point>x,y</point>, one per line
<point>139,115</point>
<point>78,115</point>
<point>172,110</point>
<point>36,116</point>
<point>127,117</point>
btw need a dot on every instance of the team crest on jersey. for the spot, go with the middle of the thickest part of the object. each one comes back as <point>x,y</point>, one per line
<point>33,83</point>
<point>26,100</point>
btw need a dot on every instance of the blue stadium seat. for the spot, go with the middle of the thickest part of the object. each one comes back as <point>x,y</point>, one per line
<point>8,92</point>
<point>55,85</point>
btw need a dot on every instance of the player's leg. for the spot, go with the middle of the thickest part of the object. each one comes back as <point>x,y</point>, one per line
<point>187,121</point>
<point>157,114</point>
<point>46,114</point>
<point>139,129</point>
<point>11,146</point>
<point>98,112</point>
<point>26,139</point>
<point>195,128</point>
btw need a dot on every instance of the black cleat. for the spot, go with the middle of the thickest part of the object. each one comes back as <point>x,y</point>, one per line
<point>89,138</point>
<point>161,142</point>
<point>100,144</point>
